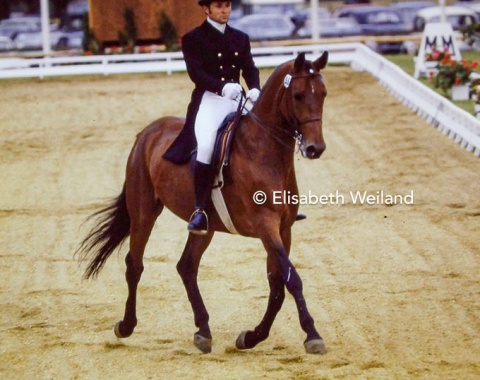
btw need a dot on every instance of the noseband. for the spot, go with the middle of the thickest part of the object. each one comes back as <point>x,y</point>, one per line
<point>306,121</point>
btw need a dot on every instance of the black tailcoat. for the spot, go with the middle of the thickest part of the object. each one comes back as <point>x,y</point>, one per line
<point>213,59</point>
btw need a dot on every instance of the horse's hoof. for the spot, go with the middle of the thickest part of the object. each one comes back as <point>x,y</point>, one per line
<point>116,330</point>
<point>202,343</point>
<point>240,342</point>
<point>315,346</point>
<point>118,333</point>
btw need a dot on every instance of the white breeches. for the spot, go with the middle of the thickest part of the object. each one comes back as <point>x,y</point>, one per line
<point>212,111</point>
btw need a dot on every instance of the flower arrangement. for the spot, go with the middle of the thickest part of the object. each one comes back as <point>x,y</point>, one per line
<point>437,55</point>
<point>451,72</point>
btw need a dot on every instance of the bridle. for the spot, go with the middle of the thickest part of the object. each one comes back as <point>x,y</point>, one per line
<point>295,132</point>
<point>289,78</point>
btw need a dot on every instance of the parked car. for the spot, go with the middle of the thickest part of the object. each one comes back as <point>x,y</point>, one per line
<point>70,39</point>
<point>378,21</point>
<point>236,14</point>
<point>6,44</point>
<point>72,29</point>
<point>26,41</point>
<point>473,5</point>
<point>72,25</point>
<point>265,26</point>
<point>77,7</point>
<point>12,26</point>
<point>301,16</point>
<point>332,27</point>
<point>458,17</point>
<point>409,9</point>
<point>285,8</point>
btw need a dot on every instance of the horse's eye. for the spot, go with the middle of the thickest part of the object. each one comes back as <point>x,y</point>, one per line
<point>298,97</point>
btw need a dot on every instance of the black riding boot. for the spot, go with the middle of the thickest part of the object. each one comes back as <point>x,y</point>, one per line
<point>202,181</point>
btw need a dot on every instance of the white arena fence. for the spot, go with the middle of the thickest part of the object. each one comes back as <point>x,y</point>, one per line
<point>458,124</point>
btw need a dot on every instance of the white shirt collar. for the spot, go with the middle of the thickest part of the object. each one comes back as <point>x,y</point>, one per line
<point>217,25</point>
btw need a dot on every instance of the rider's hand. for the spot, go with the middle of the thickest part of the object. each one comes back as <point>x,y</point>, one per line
<point>253,94</point>
<point>231,90</point>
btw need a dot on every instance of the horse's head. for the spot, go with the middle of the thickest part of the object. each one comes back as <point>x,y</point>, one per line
<point>302,106</point>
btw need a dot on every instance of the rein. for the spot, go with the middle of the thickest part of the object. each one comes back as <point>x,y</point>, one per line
<point>297,136</point>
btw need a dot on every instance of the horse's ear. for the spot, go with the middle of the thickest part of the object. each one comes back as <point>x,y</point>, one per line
<point>321,62</point>
<point>299,62</point>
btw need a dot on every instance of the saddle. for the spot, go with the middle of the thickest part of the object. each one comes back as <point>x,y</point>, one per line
<point>223,143</point>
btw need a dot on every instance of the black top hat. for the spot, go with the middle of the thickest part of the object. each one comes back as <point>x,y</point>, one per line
<point>206,2</point>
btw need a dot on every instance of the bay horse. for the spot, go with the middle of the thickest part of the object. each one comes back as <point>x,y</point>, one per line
<point>288,111</point>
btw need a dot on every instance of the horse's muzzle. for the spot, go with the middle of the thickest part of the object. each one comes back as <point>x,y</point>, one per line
<point>313,151</point>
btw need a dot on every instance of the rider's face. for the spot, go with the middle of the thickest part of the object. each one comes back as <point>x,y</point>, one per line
<point>219,11</point>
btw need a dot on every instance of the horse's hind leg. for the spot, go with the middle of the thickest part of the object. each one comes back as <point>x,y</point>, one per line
<point>144,210</point>
<point>187,267</point>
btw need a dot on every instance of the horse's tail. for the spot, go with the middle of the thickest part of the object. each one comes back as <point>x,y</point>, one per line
<point>107,236</point>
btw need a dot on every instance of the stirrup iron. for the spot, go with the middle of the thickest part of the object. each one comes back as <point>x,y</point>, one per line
<point>193,227</point>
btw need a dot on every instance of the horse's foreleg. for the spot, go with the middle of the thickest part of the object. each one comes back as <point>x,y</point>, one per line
<point>314,343</point>
<point>249,339</point>
<point>281,265</point>
<point>187,267</point>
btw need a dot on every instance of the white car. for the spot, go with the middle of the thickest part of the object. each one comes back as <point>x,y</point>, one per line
<point>6,44</point>
<point>10,27</point>
<point>34,40</point>
<point>458,17</point>
<point>473,5</point>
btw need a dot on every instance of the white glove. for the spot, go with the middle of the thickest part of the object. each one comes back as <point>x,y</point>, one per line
<point>231,90</point>
<point>253,94</point>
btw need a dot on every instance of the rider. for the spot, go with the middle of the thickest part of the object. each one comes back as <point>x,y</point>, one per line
<point>215,54</point>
